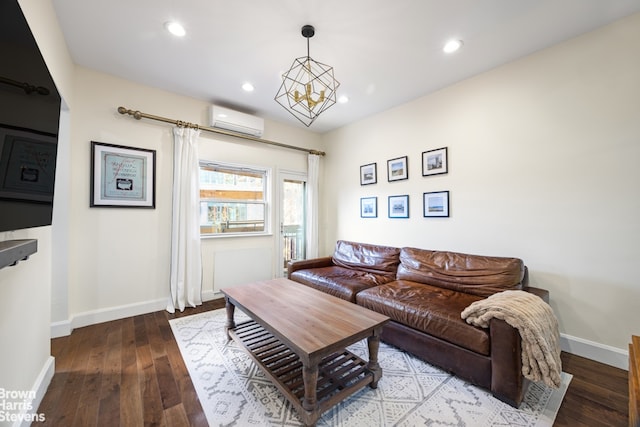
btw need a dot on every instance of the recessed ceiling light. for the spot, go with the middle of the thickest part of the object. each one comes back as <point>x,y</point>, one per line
<point>343,99</point>
<point>247,87</point>
<point>452,45</point>
<point>175,28</point>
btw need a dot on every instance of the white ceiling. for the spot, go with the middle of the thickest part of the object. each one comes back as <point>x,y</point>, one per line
<point>384,53</point>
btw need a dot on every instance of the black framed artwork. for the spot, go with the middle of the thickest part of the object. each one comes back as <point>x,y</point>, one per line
<point>368,174</point>
<point>397,169</point>
<point>122,176</point>
<point>399,206</point>
<point>436,204</point>
<point>435,162</point>
<point>369,207</point>
<point>27,165</point>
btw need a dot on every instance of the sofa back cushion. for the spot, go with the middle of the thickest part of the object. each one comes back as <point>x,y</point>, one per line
<point>472,274</point>
<point>367,257</point>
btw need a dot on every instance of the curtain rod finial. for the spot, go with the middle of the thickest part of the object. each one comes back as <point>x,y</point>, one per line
<point>136,114</point>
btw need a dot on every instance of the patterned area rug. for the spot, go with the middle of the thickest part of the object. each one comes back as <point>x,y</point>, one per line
<point>233,391</point>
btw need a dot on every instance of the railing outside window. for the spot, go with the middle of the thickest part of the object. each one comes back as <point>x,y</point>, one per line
<point>293,243</point>
<point>233,199</point>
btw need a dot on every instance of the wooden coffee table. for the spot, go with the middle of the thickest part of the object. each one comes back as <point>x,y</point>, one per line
<point>298,336</point>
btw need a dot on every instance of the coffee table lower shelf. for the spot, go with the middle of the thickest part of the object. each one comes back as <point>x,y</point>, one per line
<point>339,374</point>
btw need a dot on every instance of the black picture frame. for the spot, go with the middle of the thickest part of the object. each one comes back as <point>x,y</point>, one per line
<point>435,162</point>
<point>27,165</point>
<point>436,204</point>
<point>399,206</point>
<point>369,207</point>
<point>369,174</point>
<point>123,177</point>
<point>398,169</point>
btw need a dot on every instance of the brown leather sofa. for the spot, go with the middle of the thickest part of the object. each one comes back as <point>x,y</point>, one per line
<point>424,293</point>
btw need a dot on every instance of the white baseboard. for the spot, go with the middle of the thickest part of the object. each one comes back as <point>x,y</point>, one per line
<point>30,414</point>
<point>602,353</point>
<point>209,295</point>
<point>61,329</point>
<point>64,328</point>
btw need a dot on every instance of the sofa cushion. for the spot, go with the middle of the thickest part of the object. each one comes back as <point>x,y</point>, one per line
<point>338,281</point>
<point>367,257</point>
<point>430,309</point>
<point>473,274</point>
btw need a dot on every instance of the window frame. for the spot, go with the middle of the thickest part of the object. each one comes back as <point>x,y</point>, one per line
<point>266,201</point>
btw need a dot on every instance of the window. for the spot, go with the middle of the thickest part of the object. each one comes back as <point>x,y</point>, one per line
<point>233,199</point>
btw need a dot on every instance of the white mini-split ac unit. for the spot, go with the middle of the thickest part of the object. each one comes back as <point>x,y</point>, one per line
<point>224,118</point>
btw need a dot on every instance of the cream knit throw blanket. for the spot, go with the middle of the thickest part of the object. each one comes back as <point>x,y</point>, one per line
<point>538,328</point>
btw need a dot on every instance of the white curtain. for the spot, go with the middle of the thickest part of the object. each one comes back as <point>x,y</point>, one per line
<point>312,206</point>
<point>186,260</point>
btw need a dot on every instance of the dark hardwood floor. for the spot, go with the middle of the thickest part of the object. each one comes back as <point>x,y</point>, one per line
<point>129,372</point>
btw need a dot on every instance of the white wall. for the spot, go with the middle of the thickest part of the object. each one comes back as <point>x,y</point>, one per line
<point>25,290</point>
<point>110,263</point>
<point>120,257</point>
<point>543,165</point>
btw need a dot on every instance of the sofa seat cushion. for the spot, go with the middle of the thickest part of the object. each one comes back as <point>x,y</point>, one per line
<point>430,309</point>
<point>338,281</point>
<point>473,274</point>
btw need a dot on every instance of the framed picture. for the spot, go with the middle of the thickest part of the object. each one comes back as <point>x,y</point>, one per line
<point>27,165</point>
<point>436,204</point>
<point>434,162</point>
<point>122,176</point>
<point>399,206</point>
<point>369,207</point>
<point>368,174</point>
<point>397,169</point>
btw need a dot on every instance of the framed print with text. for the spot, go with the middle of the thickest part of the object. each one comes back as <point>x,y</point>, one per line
<point>397,169</point>
<point>368,174</point>
<point>369,207</point>
<point>434,162</point>
<point>399,206</point>
<point>27,165</point>
<point>436,204</point>
<point>122,176</point>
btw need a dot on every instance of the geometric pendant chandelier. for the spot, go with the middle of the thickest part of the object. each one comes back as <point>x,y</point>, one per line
<point>308,88</point>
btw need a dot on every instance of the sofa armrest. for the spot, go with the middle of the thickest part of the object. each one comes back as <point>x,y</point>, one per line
<point>542,293</point>
<point>507,382</point>
<point>305,264</point>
